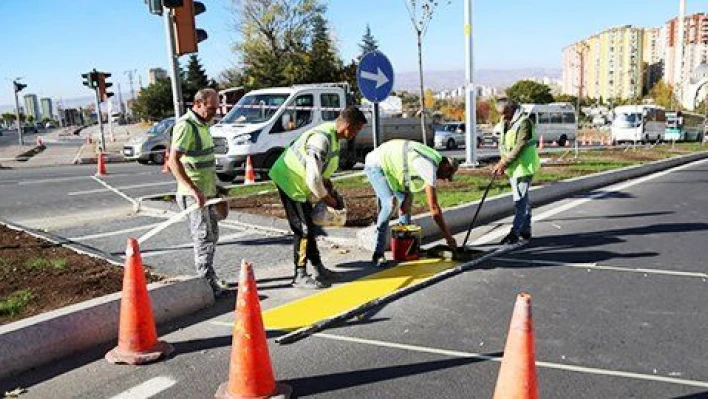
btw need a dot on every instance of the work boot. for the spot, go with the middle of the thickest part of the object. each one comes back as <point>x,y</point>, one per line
<point>378,261</point>
<point>218,289</point>
<point>322,273</point>
<point>307,282</point>
<point>510,239</point>
<point>526,236</point>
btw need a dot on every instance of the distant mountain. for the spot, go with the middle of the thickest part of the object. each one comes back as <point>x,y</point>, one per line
<point>445,80</point>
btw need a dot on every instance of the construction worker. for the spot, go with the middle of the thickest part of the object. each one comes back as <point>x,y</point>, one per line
<point>192,163</point>
<point>519,160</point>
<point>396,170</point>
<point>302,176</point>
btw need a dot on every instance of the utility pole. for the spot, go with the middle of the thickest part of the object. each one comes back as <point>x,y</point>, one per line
<point>470,95</point>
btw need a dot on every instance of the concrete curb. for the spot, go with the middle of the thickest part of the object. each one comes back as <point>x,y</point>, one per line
<point>495,208</point>
<point>40,339</point>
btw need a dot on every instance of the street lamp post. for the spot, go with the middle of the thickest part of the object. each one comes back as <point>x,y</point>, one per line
<point>470,95</point>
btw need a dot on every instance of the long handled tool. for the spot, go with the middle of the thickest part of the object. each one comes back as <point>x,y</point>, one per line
<point>376,303</point>
<point>476,213</point>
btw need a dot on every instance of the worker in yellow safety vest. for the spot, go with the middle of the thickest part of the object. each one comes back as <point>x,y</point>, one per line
<point>397,169</point>
<point>519,160</point>
<point>302,175</point>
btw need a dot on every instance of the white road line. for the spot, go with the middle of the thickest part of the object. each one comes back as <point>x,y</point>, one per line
<point>603,267</point>
<point>494,236</point>
<point>548,365</point>
<point>147,389</point>
<point>121,194</point>
<point>148,254</point>
<point>113,233</point>
<point>72,178</point>
<point>103,190</point>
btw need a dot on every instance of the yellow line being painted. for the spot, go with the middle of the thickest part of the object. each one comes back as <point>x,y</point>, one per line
<point>331,302</point>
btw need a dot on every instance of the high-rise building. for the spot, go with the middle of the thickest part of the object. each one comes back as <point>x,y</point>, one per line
<point>47,111</point>
<point>156,73</point>
<point>695,49</point>
<point>32,106</point>
<point>653,56</point>
<point>606,65</point>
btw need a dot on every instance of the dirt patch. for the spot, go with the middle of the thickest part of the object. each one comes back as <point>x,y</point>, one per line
<point>37,276</point>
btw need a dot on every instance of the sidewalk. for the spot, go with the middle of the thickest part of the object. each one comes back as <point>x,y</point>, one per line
<point>114,145</point>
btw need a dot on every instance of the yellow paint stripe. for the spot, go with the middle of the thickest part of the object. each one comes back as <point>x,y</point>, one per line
<point>334,301</point>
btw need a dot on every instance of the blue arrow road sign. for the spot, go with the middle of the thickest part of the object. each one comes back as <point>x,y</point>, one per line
<point>375,76</point>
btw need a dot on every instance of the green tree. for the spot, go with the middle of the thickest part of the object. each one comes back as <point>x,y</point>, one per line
<point>530,92</point>
<point>324,63</point>
<point>8,117</point>
<point>30,119</point>
<point>155,101</point>
<point>368,42</point>
<point>231,77</point>
<point>194,78</point>
<point>663,95</point>
<point>273,48</point>
<point>348,74</point>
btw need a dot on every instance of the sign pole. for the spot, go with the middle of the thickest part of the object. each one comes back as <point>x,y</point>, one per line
<point>100,122</point>
<point>375,126</point>
<point>17,116</point>
<point>174,65</point>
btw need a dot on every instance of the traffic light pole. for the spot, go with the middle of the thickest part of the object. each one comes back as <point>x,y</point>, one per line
<point>17,115</point>
<point>100,122</point>
<point>174,68</point>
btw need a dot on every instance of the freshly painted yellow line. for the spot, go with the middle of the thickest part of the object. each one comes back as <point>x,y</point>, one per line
<point>334,301</point>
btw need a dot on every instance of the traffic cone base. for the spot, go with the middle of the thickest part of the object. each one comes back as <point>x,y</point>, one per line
<point>121,356</point>
<point>250,369</point>
<point>282,391</point>
<point>137,335</point>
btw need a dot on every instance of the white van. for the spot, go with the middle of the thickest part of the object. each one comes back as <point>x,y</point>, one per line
<point>554,122</point>
<point>638,123</point>
<point>264,122</point>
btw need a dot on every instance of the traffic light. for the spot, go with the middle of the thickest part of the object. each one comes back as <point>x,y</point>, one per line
<point>18,86</point>
<point>186,34</point>
<point>155,6</point>
<point>103,85</point>
<point>90,79</point>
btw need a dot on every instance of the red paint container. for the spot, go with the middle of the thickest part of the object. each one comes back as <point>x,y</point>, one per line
<point>405,242</point>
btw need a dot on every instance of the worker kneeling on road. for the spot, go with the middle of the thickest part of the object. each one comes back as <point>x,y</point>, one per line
<point>396,170</point>
<point>519,160</point>
<point>301,174</point>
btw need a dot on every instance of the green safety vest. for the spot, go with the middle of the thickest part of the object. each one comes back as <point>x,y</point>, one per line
<point>192,138</point>
<point>288,172</point>
<point>528,162</point>
<point>396,159</point>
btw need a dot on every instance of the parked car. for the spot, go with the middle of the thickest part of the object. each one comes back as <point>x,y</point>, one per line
<point>450,135</point>
<point>50,125</point>
<point>151,145</point>
<point>29,129</point>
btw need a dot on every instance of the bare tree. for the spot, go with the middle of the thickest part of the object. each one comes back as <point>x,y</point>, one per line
<point>421,13</point>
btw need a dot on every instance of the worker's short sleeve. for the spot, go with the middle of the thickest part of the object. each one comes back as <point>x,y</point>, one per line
<point>183,137</point>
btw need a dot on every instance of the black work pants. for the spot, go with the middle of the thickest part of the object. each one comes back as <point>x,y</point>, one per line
<point>305,241</point>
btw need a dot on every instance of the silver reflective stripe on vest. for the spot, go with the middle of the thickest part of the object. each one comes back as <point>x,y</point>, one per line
<point>200,165</point>
<point>300,157</point>
<point>406,171</point>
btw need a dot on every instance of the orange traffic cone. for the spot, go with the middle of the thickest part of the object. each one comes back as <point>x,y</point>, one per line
<point>250,373</point>
<point>101,165</point>
<point>250,174</point>
<point>165,166</point>
<point>517,376</point>
<point>137,336</point>
<point>541,144</point>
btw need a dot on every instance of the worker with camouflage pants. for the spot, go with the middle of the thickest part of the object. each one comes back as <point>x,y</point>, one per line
<point>192,164</point>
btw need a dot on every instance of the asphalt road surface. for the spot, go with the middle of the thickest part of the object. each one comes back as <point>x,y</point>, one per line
<point>618,280</point>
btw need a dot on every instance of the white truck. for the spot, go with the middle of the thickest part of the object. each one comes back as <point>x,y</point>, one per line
<point>264,122</point>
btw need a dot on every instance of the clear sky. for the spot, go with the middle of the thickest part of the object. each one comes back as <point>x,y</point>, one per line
<point>51,42</point>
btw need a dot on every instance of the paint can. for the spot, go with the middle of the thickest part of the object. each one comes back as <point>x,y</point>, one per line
<point>405,242</point>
